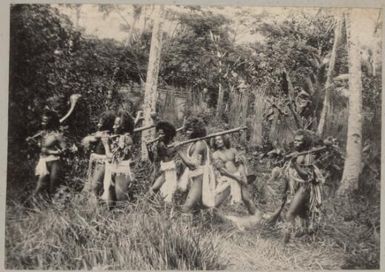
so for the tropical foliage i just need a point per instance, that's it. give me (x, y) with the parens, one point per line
(263, 83)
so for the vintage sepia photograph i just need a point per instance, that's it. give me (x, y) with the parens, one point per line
(190, 137)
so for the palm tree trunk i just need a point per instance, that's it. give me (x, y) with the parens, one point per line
(352, 166)
(151, 94)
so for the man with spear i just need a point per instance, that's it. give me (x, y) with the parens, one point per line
(166, 182)
(98, 156)
(96, 168)
(118, 149)
(53, 147)
(199, 177)
(303, 183)
(232, 176)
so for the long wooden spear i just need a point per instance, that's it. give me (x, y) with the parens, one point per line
(158, 138)
(209, 136)
(139, 129)
(313, 150)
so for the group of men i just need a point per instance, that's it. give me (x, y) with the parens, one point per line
(211, 174)
(214, 170)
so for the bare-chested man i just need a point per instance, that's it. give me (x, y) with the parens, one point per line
(166, 181)
(197, 162)
(98, 156)
(52, 146)
(232, 179)
(118, 174)
(303, 181)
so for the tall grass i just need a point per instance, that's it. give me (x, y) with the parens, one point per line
(77, 233)
(87, 236)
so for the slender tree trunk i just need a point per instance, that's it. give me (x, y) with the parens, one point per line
(169, 110)
(257, 123)
(220, 100)
(326, 104)
(151, 94)
(352, 166)
(297, 119)
(235, 107)
(273, 133)
(245, 106)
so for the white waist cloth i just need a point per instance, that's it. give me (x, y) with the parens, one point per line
(170, 184)
(235, 187)
(208, 182)
(94, 158)
(97, 157)
(121, 168)
(41, 167)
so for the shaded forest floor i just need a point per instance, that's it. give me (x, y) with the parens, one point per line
(74, 233)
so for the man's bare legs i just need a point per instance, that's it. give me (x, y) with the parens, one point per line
(194, 196)
(159, 181)
(97, 180)
(297, 208)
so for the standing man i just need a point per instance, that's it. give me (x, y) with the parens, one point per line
(303, 183)
(197, 177)
(52, 147)
(166, 181)
(118, 148)
(232, 176)
(98, 157)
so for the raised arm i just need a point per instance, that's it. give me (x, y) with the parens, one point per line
(193, 162)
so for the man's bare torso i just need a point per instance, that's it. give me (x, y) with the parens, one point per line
(50, 141)
(228, 158)
(198, 151)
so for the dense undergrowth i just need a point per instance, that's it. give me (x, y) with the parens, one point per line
(76, 233)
